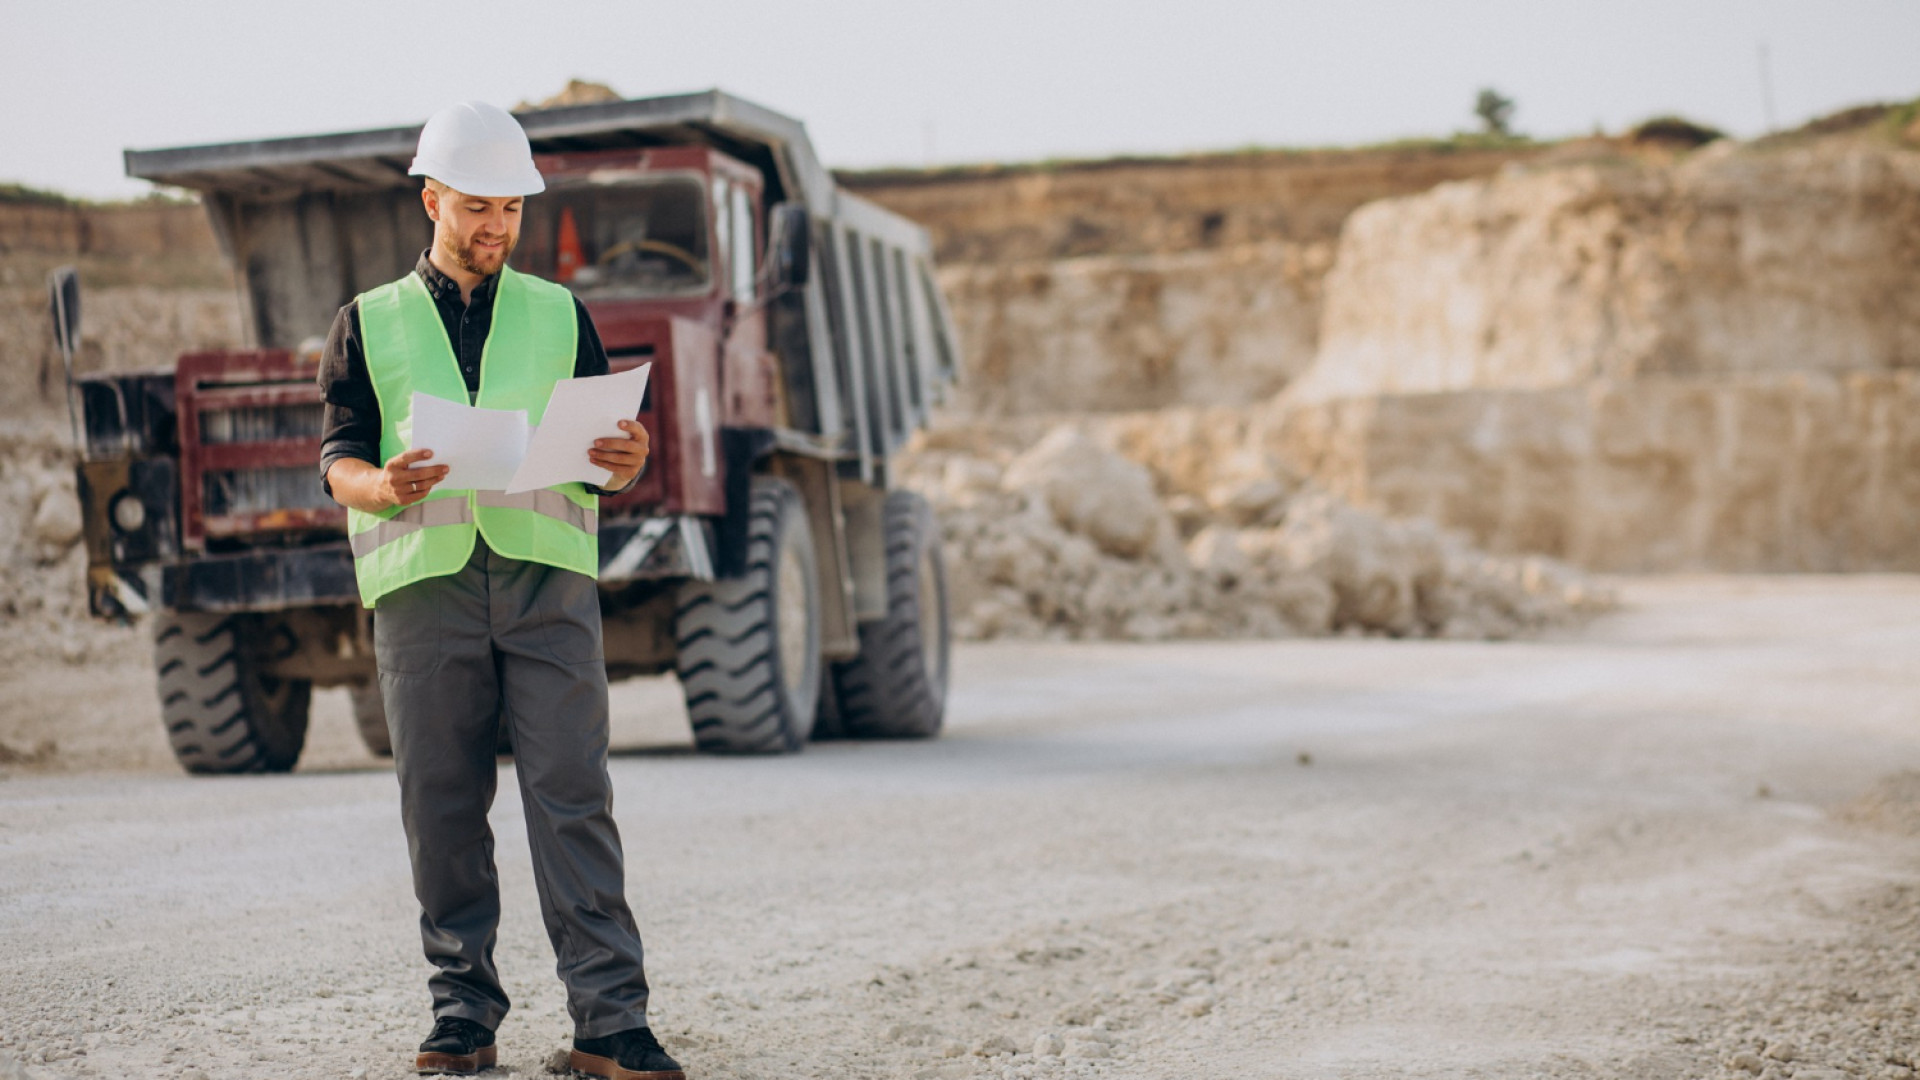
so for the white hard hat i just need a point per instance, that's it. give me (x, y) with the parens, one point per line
(477, 149)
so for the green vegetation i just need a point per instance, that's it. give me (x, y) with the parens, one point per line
(1902, 122)
(1495, 112)
(22, 195)
(1673, 130)
(1458, 142)
(1896, 122)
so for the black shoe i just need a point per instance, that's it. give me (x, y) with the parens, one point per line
(633, 1054)
(457, 1046)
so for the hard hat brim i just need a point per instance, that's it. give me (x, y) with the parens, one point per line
(526, 182)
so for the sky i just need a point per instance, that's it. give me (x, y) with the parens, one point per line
(897, 83)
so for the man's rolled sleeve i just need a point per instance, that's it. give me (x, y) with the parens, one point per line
(350, 412)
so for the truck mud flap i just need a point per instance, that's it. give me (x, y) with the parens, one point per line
(741, 448)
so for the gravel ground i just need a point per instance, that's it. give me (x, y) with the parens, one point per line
(1682, 842)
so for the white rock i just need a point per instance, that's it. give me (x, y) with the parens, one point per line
(995, 1046)
(1306, 602)
(1032, 552)
(1086, 1049)
(56, 521)
(966, 479)
(1258, 501)
(1048, 1044)
(1091, 491)
(1217, 553)
(911, 1034)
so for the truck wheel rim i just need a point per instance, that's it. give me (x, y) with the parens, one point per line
(930, 622)
(793, 619)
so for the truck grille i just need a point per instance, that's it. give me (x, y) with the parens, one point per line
(265, 423)
(250, 492)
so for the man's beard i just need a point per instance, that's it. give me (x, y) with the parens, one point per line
(465, 258)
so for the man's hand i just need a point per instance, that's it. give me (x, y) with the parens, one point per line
(400, 482)
(623, 457)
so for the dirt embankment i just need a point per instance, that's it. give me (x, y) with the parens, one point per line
(153, 285)
(1215, 279)
(1700, 364)
(1793, 472)
(1147, 283)
(1158, 206)
(1118, 332)
(1736, 261)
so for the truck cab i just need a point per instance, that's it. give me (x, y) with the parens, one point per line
(665, 249)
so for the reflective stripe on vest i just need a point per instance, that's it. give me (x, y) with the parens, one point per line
(426, 515)
(421, 515)
(549, 503)
(531, 345)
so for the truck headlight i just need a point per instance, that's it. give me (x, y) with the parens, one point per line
(129, 513)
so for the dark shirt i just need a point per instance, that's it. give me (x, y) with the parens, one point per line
(351, 415)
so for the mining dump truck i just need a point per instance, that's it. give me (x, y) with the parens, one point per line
(798, 338)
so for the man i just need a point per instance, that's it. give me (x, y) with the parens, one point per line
(487, 612)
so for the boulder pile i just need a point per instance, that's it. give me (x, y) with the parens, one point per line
(1072, 538)
(43, 564)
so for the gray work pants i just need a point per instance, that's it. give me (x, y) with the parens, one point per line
(514, 643)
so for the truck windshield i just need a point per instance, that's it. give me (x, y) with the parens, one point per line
(619, 234)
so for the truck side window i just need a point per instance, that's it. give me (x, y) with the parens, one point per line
(722, 218)
(740, 257)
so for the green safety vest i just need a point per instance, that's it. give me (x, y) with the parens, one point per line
(530, 347)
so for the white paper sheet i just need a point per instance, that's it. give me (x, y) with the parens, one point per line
(482, 447)
(580, 411)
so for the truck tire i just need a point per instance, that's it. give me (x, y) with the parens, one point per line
(897, 687)
(223, 714)
(749, 646)
(370, 716)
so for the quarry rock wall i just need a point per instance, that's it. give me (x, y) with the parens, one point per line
(1108, 333)
(1142, 206)
(1737, 261)
(1631, 365)
(153, 286)
(125, 328)
(1135, 284)
(1771, 472)
(1707, 365)
(125, 231)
